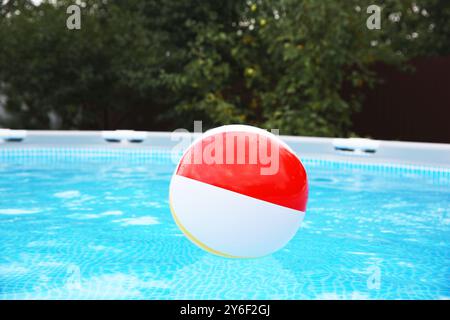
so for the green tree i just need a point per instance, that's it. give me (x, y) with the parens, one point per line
(295, 65)
(285, 63)
(87, 77)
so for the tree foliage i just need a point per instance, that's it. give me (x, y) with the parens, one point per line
(297, 65)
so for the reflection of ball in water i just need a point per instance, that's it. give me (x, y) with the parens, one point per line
(239, 191)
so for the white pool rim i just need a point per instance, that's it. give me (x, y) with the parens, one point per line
(352, 150)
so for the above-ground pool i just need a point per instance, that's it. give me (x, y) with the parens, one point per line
(100, 227)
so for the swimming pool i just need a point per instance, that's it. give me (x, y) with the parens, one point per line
(99, 227)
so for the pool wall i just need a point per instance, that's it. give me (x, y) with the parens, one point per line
(353, 150)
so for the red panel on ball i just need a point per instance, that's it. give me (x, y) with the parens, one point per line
(285, 184)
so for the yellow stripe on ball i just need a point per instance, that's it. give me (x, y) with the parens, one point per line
(194, 239)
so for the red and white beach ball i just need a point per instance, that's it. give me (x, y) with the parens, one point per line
(239, 192)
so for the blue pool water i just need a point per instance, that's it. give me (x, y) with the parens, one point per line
(102, 229)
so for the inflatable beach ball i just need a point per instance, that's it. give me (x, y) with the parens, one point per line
(239, 192)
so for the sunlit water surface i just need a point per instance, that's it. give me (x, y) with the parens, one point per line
(103, 230)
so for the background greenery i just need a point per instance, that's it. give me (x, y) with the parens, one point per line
(298, 65)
